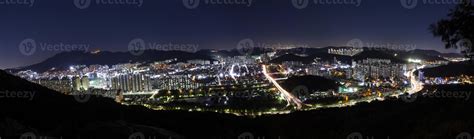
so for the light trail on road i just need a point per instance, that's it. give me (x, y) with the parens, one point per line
(287, 95)
(416, 86)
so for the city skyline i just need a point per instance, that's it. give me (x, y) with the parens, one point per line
(315, 26)
(286, 69)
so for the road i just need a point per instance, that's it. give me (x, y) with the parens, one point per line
(290, 98)
(416, 86)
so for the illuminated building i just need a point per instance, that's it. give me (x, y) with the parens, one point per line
(345, 51)
(132, 83)
(80, 84)
(175, 82)
(85, 83)
(199, 62)
(377, 68)
(76, 83)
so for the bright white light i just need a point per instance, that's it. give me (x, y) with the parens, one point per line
(414, 60)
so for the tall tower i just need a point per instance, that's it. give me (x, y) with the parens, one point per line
(76, 83)
(85, 83)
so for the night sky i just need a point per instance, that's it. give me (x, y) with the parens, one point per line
(112, 27)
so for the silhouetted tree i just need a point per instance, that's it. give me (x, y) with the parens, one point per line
(457, 31)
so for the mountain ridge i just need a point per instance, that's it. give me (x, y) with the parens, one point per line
(66, 59)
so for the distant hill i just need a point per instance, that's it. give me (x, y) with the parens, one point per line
(324, 56)
(426, 55)
(292, 57)
(66, 59)
(434, 53)
(233, 52)
(450, 70)
(394, 55)
(454, 55)
(426, 52)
